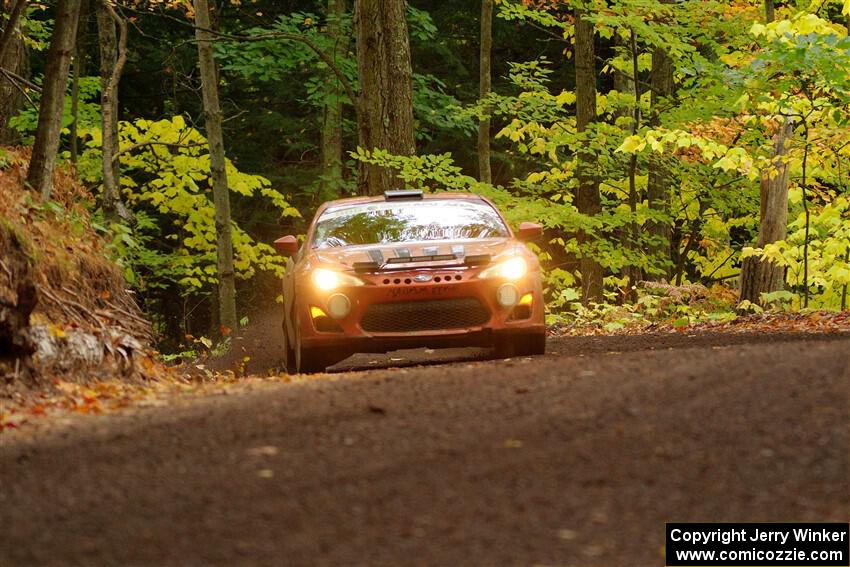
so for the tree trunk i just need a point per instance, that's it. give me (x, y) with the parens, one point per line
(113, 56)
(46, 147)
(634, 272)
(587, 196)
(386, 90)
(759, 276)
(78, 69)
(484, 172)
(332, 111)
(624, 85)
(769, 11)
(623, 82)
(844, 288)
(659, 176)
(14, 57)
(11, 31)
(76, 73)
(215, 139)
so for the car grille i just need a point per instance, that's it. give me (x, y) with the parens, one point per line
(407, 316)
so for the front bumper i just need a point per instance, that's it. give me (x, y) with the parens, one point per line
(357, 333)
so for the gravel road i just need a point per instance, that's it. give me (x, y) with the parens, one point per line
(573, 458)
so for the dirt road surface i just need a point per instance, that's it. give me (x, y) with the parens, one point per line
(575, 458)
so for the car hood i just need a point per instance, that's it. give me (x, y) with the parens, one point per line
(348, 255)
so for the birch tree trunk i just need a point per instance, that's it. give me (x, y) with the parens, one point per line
(484, 172)
(587, 197)
(113, 56)
(386, 89)
(215, 139)
(46, 147)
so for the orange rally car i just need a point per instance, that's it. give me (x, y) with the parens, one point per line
(408, 270)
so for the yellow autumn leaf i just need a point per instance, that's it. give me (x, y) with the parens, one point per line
(809, 23)
(684, 141)
(757, 30)
(566, 97)
(655, 144)
(725, 163)
(631, 145)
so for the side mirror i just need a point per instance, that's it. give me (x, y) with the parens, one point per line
(529, 231)
(286, 245)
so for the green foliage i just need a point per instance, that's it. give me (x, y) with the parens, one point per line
(430, 104)
(166, 180)
(715, 153)
(737, 80)
(678, 307)
(829, 266)
(88, 110)
(277, 59)
(37, 28)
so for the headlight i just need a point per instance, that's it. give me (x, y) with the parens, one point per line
(512, 269)
(327, 280)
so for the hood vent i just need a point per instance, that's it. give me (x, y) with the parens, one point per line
(376, 256)
(431, 258)
(366, 267)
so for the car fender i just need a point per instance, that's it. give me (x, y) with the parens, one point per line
(289, 300)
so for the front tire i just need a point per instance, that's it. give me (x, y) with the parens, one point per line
(288, 353)
(313, 360)
(525, 344)
(310, 360)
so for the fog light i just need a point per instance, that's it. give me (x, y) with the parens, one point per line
(338, 306)
(507, 295)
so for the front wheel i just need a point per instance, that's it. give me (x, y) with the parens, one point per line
(313, 360)
(288, 361)
(307, 360)
(525, 344)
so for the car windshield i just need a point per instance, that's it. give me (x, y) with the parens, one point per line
(411, 221)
